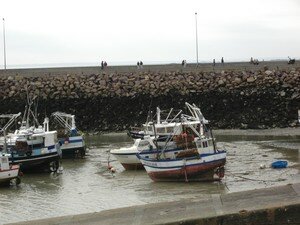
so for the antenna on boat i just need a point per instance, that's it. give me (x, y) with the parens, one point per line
(169, 115)
(158, 115)
(191, 109)
(149, 112)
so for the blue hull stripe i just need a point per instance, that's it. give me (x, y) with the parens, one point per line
(168, 160)
(51, 147)
(179, 167)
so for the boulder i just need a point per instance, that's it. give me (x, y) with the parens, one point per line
(250, 79)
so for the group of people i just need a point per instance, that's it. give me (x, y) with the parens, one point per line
(222, 62)
(254, 61)
(183, 63)
(140, 64)
(103, 65)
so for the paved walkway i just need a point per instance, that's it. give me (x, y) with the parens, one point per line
(276, 205)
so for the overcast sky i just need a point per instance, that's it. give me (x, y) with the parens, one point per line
(124, 31)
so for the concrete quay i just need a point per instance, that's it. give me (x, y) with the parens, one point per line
(275, 205)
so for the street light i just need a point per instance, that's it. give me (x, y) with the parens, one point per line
(196, 38)
(4, 44)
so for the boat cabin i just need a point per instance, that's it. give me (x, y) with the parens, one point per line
(4, 163)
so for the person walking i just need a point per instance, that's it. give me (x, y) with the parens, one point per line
(222, 61)
(102, 65)
(141, 64)
(138, 65)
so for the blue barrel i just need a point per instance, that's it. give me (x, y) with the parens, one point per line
(279, 164)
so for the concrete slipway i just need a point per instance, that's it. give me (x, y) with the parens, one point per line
(275, 205)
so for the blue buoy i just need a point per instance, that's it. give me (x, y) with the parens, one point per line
(279, 164)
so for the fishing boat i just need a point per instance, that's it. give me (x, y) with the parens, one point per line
(8, 172)
(33, 147)
(193, 166)
(158, 135)
(198, 158)
(71, 140)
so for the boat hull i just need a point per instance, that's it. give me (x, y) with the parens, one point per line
(188, 169)
(73, 147)
(35, 163)
(130, 161)
(7, 175)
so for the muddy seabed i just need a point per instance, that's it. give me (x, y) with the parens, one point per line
(87, 186)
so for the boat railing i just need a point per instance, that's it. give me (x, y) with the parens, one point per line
(65, 120)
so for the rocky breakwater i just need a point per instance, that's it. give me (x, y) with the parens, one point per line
(106, 102)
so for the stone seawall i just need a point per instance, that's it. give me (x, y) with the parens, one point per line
(112, 101)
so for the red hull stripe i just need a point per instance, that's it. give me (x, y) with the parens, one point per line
(14, 167)
(196, 171)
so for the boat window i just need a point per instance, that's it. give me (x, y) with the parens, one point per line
(204, 144)
(160, 130)
(169, 129)
(4, 160)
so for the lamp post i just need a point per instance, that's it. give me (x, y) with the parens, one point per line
(196, 38)
(4, 47)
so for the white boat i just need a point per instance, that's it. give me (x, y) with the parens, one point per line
(159, 136)
(71, 140)
(8, 172)
(127, 156)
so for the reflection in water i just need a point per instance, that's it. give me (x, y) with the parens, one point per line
(87, 186)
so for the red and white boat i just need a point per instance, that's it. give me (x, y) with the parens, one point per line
(8, 172)
(197, 167)
(197, 157)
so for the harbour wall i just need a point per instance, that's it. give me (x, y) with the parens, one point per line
(115, 100)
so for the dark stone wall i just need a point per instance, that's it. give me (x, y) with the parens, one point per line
(113, 102)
